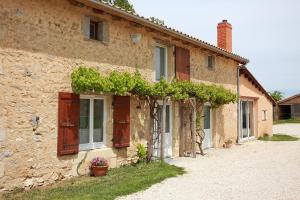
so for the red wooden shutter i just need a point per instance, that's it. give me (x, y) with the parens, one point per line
(182, 63)
(121, 136)
(68, 124)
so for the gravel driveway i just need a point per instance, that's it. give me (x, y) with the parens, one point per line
(290, 129)
(255, 170)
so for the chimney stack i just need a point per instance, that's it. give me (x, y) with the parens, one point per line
(225, 35)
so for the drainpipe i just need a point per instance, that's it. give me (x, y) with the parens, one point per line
(238, 103)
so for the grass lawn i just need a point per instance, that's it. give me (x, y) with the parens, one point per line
(118, 182)
(278, 137)
(286, 121)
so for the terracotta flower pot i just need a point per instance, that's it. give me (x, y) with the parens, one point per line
(99, 170)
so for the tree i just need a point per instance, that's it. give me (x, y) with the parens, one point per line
(122, 4)
(157, 21)
(276, 95)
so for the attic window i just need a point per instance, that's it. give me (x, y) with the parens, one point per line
(210, 61)
(95, 29)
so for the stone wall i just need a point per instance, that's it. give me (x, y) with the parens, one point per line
(41, 42)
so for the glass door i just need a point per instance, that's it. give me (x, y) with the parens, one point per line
(246, 119)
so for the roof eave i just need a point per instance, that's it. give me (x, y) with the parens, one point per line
(172, 32)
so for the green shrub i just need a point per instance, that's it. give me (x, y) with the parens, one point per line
(141, 152)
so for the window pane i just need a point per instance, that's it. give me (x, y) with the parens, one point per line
(160, 61)
(206, 117)
(93, 30)
(244, 115)
(98, 120)
(159, 115)
(251, 133)
(84, 129)
(167, 119)
(209, 61)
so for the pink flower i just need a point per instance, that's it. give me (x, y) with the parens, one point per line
(99, 161)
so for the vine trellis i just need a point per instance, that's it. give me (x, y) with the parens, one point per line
(86, 79)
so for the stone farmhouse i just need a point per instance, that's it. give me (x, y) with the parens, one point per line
(47, 133)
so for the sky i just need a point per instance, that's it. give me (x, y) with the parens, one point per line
(265, 31)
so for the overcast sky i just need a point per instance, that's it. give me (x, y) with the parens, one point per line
(265, 31)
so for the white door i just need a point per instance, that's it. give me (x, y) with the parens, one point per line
(208, 141)
(246, 119)
(168, 139)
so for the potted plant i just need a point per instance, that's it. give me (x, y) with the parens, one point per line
(99, 166)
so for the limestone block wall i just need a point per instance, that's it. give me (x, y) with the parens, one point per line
(41, 42)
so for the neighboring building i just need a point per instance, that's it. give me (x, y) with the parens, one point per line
(45, 132)
(288, 108)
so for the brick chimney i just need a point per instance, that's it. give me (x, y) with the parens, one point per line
(225, 35)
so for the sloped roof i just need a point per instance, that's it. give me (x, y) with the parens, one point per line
(134, 17)
(251, 78)
(288, 99)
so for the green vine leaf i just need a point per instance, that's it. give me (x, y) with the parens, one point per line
(85, 79)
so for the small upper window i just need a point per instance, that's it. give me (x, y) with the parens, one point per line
(210, 61)
(95, 29)
(264, 115)
(160, 62)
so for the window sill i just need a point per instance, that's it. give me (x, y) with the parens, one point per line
(97, 41)
(92, 146)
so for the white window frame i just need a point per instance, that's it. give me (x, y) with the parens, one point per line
(94, 145)
(166, 61)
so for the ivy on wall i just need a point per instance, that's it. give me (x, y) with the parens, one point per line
(85, 79)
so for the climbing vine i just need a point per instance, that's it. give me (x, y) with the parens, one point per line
(85, 79)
